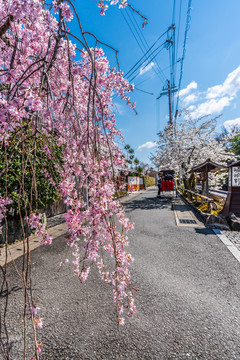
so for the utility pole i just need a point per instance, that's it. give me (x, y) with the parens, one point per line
(170, 87)
(169, 103)
(169, 90)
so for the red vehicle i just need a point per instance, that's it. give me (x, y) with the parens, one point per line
(168, 181)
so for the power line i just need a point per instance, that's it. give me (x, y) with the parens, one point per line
(160, 48)
(145, 54)
(131, 30)
(135, 26)
(179, 26)
(143, 81)
(157, 116)
(140, 42)
(174, 11)
(188, 20)
(147, 45)
(146, 92)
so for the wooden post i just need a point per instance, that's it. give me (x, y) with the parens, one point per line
(206, 172)
(208, 206)
(169, 103)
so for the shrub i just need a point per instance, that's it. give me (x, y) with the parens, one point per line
(149, 181)
(27, 167)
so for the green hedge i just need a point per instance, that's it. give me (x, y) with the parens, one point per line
(149, 181)
(37, 190)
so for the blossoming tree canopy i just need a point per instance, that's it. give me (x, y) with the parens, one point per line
(50, 100)
(188, 143)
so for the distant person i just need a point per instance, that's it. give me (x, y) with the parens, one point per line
(159, 183)
(168, 177)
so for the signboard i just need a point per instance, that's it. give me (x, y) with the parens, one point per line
(133, 183)
(236, 176)
(132, 180)
(229, 177)
(141, 181)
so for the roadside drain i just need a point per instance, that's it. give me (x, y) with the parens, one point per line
(184, 215)
(186, 221)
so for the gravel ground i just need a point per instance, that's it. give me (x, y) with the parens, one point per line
(188, 298)
(233, 236)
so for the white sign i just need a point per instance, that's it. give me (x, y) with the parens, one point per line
(236, 176)
(141, 181)
(132, 180)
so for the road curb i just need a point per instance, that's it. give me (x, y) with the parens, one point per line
(134, 194)
(231, 247)
(15, 250)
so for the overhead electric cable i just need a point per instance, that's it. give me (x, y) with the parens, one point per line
(141, 35)
(141, 82)
(143, 91)
(152, 57)
(141, 43)
(146, 53)
(179, 26)
(131, 30)
(174, 11)
(148, 62)
(188, 20)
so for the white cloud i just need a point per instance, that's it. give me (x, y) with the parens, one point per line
(215, 99)
(211, 106)
(186, 91)
(147, 145)
(232, 124)
(191, 108)
(118, 108)
(146, 68)
(190, 99)
(230, 86)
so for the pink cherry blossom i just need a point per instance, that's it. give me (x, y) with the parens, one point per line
(39, 323)
(67, 103)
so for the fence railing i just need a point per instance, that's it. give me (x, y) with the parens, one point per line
(210, 201)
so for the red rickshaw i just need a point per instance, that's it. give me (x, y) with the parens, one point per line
(168, 181)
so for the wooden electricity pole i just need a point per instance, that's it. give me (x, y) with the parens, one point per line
(168, 91)
(169, 103)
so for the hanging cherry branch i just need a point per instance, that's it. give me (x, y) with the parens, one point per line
(57, 111)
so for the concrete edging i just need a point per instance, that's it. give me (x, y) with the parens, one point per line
(15, 250)
(199, 212)
(231, 247)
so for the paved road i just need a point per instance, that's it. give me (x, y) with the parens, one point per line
(188, 299)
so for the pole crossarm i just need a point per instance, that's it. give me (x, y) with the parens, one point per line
(166, 92)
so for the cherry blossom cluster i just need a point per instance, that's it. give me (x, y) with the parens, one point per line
(103, 6)
(4, 202)
(34, 222)
(38, 323)
(44, 89)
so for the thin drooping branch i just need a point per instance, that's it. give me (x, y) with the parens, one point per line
(6, 26)
(58, 136)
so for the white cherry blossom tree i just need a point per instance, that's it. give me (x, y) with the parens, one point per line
(187, 143)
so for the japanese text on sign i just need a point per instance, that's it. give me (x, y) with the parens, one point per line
(236, 176)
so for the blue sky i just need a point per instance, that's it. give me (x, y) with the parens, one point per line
(211, 69)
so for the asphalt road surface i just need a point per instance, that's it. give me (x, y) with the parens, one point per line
(187, 303)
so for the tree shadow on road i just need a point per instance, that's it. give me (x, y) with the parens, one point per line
(204, 231)
(151, 203)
